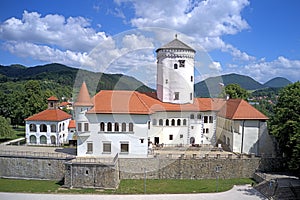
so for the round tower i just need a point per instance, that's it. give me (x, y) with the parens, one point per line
(175, 72)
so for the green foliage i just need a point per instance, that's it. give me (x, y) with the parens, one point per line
(235, 92)
(285, 124)
(5, 130)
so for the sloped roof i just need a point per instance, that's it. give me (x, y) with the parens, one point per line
(176, 44)
(52, 98)
(72, 124)
(83, 98)
(239, 109)
(50, 115)
(133, 102)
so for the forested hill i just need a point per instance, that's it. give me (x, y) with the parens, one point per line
(66, 76)
(211, 87)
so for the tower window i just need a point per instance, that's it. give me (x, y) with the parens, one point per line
(170, 137)
(181, 63)
(191, 96)
(192, 78)
(175, 66)
(176, 95)
(167, 81)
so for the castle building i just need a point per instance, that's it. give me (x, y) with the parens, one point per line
(49, 127)
(125, 122)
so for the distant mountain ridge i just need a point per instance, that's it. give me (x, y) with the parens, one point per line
(211, 87)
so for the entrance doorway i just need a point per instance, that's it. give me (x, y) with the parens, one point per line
(156, 140)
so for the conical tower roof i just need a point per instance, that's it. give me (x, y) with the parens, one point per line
(176, 44)
(83, 98)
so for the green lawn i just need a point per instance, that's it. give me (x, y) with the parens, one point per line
(126, 186)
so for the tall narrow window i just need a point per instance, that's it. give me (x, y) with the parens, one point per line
(170, 137)
(192, 78)
(207, 130)
(178, 122)
(175, 66)
(89, 147)
(191, 96)
(199, 116)
(123, 127)
(192, 116)
(130, 126)
(86, 127)
(205, 119)
(167, 122)
(211, 119)
(53, 128)
(102, 125)
(79, 127)
(116, 127)
(184, 122)
(161, 122)
(173, 122)
(176, 95)
(109, 126)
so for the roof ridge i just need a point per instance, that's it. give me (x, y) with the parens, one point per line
(136, 93)
(236, 109)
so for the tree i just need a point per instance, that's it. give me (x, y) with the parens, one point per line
(5, 130)
(285, 124)
(235, 92)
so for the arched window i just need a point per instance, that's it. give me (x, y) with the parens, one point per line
(109, 126)
(130, 126)
(205, 119)
(63, 126)
(32, 139)
(53, 128)
(43, 128)
(116, 127)
(53, 139)
(59, 128)
(199, 116)
(192, 116)
(123, 127)
(43, 139)
(178, 122)
(167, 122)
(161, 122)
(184, 122)
(207, 130)
(32, 128)
(175, 66)
(102, 125)
(173, 122)
(154, 121)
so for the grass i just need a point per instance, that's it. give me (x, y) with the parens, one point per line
(126, 186)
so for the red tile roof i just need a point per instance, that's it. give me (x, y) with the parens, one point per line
(50, 115)
(239, 109)
(72, 124)
(52, 98)
(83, 98)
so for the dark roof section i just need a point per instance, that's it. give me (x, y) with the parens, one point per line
(176, 44)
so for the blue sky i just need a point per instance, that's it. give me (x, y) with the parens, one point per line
(259, 38)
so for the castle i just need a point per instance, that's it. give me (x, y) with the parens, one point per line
(128, 122)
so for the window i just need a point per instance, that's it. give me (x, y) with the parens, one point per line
(79, 127)
(167, 81)
(192, 127)
(170, 137)
(106, 147)
(123, 127)
(192, 116)
(211, 119)
(184, 122)
(199, 116)
(178, 122)
(160, 122)
(148, 125)
(130, 126)
(43, 128)
(154, 122)
(191, 96)
(181, 136)
(205, 119)
(124, 148)
(228, 141)
(173, 122)
(207, 130)
(142, 141)
(63, 127)
(86, 126)
(203, 130)
(192, 78)
(176, 95)
(175, 66)
(53, 128)
(43, 140)
(32, 139)
(109, 126)
(102, 125)
(116, 127)
(59, 129)
(181, 63)
(89, 147)
(167, 122)
(32, 128)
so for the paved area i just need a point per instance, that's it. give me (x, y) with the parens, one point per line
(245, 192)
